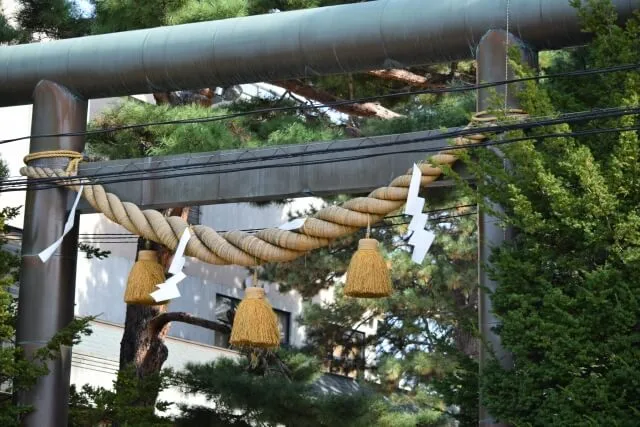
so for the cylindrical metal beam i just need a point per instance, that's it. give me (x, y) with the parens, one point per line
(47, 290)
(493, 66)
(340, 39)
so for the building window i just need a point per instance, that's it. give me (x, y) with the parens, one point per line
(346, 355)
(194, 215)
(225, 311)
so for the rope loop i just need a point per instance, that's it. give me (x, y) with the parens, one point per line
(74, 158)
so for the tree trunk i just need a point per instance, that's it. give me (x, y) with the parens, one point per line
(140, 346)
(412, 79)
(464, 337)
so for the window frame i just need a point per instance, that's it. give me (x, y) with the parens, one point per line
(285, 338)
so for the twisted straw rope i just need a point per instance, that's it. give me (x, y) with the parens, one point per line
(268, 245)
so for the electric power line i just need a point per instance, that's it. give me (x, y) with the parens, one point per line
(575, 116)
(527, 124)
(47, 183)
(576, 73)
(135, 241)
(531, 122)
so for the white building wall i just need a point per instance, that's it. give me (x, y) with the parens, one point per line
(100, 286)
(15, 122)
(95, 361)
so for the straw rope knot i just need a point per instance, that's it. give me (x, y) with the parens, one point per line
(268, 245)
(74, 158)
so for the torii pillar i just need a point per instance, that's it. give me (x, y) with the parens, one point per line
(47, 290)
(492, 66)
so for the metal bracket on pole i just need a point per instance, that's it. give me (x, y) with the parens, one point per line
(492, 65)
(47, 290)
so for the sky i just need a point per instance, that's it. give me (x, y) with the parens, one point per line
(85, 7)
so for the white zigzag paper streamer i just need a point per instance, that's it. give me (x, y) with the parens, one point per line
(68, 225)
(295, 224)
(169, 289)
(421, 239)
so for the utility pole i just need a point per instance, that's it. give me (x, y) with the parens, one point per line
(492, 66)
(47, 290)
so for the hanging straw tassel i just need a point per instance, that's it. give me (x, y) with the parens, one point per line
(368, 275)
(143, 278)
(255, 324)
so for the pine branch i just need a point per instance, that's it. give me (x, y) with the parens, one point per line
(367, 109)
(157, 323)
(203, 97)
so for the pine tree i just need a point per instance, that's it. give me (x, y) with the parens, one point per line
(261, 130)
(270, 389)
(53, 19)
(425, 341)
(568, 295)
(90, 406)
(8, 33)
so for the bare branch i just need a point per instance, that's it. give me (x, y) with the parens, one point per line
(368, 109)
(157, 323)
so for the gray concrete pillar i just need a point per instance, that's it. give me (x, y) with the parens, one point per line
(492, 66)
(47, 290)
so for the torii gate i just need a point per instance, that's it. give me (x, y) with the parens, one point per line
(59, 77)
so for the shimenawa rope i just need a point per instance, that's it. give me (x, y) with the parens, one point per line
(269, 245)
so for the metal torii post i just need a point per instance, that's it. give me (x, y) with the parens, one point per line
(47, 290)
(491, 66)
